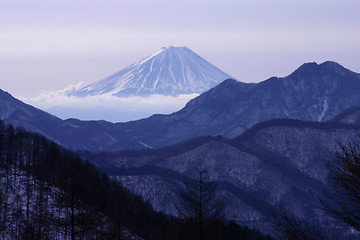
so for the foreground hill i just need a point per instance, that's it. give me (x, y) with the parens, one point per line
(314, 92)
(278, 161)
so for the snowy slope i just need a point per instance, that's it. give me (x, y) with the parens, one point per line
(278, 161)
(170, 71)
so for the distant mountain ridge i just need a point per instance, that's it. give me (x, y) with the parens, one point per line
(170, 71)
(350, 116)
(314, 92)
(18, 113)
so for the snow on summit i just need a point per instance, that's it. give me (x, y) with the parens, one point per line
(170, 71)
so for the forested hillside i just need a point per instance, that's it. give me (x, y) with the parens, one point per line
(48, 192)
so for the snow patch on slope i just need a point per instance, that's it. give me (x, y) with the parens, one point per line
(325, 108)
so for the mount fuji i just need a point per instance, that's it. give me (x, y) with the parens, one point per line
(170, 71)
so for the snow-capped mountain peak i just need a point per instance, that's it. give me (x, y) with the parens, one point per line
(170, 71)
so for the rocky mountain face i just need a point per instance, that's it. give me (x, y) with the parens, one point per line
(313, 93)
(170, 71)
(279, 161)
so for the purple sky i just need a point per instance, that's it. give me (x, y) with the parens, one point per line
(46, 45)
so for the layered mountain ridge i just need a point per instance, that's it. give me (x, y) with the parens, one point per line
(278, 161)
(170, 71)
(314, 92)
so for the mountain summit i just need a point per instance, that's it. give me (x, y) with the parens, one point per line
(170, 71)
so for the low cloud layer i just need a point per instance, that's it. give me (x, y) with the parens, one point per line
(106, 107)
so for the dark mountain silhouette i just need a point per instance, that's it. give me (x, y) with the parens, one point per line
(350, 116)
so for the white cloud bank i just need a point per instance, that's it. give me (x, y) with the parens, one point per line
(106, 107)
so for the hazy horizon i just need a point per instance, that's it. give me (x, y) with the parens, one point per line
(46, 46)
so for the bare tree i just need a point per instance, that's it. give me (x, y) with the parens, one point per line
(343, 202)
(286, 226)
(199, 204)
